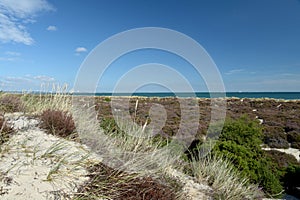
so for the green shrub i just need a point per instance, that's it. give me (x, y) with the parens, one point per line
(240, 141)
(110, 125)
(292, 180)
(107, 99)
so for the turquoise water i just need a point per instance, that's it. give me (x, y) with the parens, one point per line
(275, 95)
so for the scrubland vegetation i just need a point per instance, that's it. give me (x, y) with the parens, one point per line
(237, 168)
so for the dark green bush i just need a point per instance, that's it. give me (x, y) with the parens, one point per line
(293, 136)
(58, 123)
(292, 180)
(240, 141)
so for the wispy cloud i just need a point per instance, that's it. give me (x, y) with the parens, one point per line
(8, 59)
(15, 15)
(52, 28)
(12, 53)
(80, 50)
(44, 78)
(10, 56)
(234, 71)
(25, 82)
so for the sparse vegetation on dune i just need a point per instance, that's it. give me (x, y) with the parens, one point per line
(10, 103)
(58, 100)
(236, 169)
(5, 131)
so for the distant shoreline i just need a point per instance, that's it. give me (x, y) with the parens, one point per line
(255, 95)
(251, 95)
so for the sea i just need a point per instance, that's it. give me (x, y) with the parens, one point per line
(273, 95)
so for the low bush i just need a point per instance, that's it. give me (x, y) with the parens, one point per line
(5, 131)
(58, 123)
(292, 126)
(10, 103)
(281, 159)
(275, 137)
(240, 141)
(293, 136)
(295, 145)
(113, 184)
(292, 180)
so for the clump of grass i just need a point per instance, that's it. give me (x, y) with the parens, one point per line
(226, 181)
(58, 100)
(10, 103)
(106, 182)
(57, 122)
(5, 130)
(140, 151)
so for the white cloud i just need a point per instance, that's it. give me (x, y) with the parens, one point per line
(13, 32)
(10, 56)
(27, 82)
(51, 28)
(12, 53)
(25, 8)
(44, 78)
(234, 71)
(7, 59)
(14, 15)
(80, 50)
(12, 79)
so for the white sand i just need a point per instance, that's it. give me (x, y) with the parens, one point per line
(35, 165)
(191, 189)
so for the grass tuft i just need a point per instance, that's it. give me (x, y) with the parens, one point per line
(61, 99)
(226, 181)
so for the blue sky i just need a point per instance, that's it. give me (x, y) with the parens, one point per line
(254, 43)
